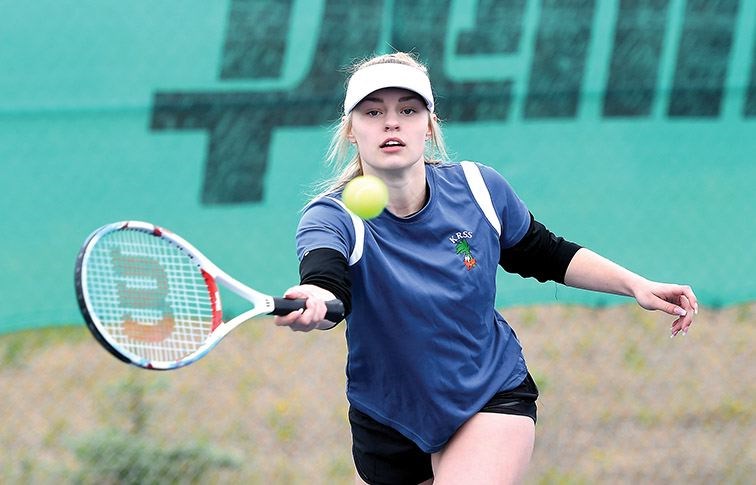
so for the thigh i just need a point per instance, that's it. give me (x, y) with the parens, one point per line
(488, 448)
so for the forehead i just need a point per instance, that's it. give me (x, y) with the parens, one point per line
(385, 95)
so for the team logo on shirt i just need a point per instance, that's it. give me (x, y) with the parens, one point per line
(462, 246)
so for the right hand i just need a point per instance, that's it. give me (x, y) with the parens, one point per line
(313, 315)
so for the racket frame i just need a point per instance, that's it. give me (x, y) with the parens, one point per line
(213, 275)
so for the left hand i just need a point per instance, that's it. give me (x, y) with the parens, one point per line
(677, 300)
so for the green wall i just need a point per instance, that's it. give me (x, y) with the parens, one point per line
(627, 126)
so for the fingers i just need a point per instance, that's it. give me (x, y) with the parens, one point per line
(677, 300)
(683, 323)
(658, 301)
(691, 297)
(306, 319)
(288, 320)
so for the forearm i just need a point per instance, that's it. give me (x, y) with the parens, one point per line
(590, 271)
(328, 270)
(324, 276)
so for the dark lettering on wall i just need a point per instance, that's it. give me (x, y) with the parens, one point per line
(498, 28)
(416, 29)
(556, 76)
(703, 57)
(240, 124)
(636, 56)
(750, 102)
(255, 39)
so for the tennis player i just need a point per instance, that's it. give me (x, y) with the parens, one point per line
(438, 387)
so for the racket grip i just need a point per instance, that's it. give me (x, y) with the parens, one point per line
(284, 306)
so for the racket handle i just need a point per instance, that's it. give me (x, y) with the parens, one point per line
(284, 306)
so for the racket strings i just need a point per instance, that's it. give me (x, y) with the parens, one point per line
(149, 295)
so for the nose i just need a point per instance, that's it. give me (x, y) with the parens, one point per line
(391, 122)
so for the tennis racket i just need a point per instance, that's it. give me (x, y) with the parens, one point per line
(152, 299)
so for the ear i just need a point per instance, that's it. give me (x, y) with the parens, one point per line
(349, 134)
(429, 132)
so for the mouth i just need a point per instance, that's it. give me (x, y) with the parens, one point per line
(392, 142)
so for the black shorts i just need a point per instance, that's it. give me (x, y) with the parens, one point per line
(382, 455)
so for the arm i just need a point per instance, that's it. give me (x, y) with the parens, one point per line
(590, 271)
(313, 316)
(325, 236)
(542, 255)
(538, 254)
(324, 276)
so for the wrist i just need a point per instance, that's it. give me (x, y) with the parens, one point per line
(635, 285)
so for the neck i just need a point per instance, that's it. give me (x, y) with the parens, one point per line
(407, 193)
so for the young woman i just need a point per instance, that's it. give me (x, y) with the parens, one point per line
(438, 388)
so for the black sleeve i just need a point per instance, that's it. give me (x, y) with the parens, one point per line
(539, 254)
(328, 269)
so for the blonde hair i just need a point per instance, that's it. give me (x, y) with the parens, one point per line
(345, 160)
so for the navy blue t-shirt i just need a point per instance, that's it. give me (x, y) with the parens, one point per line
(426, 347)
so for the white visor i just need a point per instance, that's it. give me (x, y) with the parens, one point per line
(387, 75)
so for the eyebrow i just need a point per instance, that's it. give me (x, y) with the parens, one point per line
(401, 100)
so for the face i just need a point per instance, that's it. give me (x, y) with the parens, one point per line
(390, 127)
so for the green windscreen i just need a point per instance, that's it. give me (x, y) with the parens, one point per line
(626, 126)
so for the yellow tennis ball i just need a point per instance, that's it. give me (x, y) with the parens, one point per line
(366, 196)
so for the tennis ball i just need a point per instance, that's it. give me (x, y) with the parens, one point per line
(366, 196)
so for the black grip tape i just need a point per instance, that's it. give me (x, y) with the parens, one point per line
(284, 306)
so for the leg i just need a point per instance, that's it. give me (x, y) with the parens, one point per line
(490, 448)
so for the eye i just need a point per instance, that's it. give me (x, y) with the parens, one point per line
(372, 112)
(408, 111)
